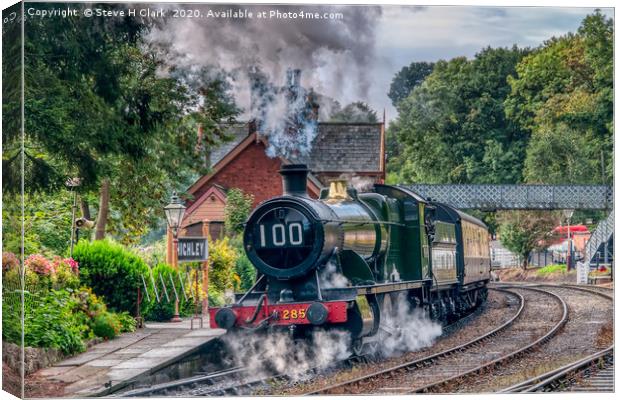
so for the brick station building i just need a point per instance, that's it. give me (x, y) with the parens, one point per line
(351, 150)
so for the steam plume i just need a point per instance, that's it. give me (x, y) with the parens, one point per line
(335, 56)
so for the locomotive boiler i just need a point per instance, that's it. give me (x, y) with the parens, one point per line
(340, 261)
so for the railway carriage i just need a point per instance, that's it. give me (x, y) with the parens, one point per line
(343, 260)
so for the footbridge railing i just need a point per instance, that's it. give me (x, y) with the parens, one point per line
(519, 197)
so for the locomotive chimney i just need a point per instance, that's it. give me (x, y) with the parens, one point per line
(294, 179)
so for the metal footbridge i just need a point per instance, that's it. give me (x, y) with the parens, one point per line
(535, 197)
(519, 197)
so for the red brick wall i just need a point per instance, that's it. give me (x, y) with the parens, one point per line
(253, 172)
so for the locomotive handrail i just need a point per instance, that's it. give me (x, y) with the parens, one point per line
(257, 310)
(249, 291)
(343, 221)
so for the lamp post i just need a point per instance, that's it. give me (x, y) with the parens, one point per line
(174, 215)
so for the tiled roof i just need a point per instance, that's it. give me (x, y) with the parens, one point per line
(237, 132)
(338, 147)
(345, 147)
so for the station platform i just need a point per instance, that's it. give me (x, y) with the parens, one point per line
(114, 364)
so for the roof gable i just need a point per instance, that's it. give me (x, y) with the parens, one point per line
(313, 183)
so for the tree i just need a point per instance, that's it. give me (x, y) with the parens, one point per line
(99, 107)
(523, 231)
(452, 127)
(236, 211)
(562, 95)
(408, 78)
(355, 112)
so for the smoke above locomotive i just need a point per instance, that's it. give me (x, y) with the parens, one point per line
(261, 61)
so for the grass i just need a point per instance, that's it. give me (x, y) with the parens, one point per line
(550, 269)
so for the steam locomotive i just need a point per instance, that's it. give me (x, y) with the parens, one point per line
(342, 260)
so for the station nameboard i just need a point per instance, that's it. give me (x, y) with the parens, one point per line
(193, 249)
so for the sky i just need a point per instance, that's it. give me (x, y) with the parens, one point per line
(356, 57)
(407, 34)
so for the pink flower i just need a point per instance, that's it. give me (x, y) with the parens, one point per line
(75, 267)
(9, 261)
(39, 264)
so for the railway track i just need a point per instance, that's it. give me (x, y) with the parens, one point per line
(237, 381)
(592, 373)
(479, 354)
(441, 371)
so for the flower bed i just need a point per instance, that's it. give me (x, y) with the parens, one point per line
(59, 313)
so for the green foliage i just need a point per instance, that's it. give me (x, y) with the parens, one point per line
(244, 270)
(106, 325)
(563, 97)
(523, 231)
(128, 323)
(407, 79)
(236, 211)
(99, 108)
(47, 223)
(164, 310)
(551, 269)
(452, 128)
(355, 112)
(54, 324)
(222, 261)
(112, 271)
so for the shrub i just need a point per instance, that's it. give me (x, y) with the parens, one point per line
(112, 271)
(128, 323)
(107, 325)
(54, 324)
(65, 273)
(39, 265)
(244, 270)
(236, 211)
(222, 260)
(9, 261)
(88, 303)
(164, 309)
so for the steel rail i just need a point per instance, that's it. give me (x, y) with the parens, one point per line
(549, 379)
(521, 351)
(411, 365)
(165, 388)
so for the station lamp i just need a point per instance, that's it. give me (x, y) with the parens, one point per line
(174, 213)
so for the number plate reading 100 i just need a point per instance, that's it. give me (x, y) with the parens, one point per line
(281, 235)
(293, 314)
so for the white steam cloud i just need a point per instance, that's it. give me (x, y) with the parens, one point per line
(278, 352)
(330, 277)
(335, 56)
(405, 329)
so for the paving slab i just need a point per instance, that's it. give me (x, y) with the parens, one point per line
(186, 342)
(51, 371)
(108, 362)
(141, 362)
(165, 352)
(78, 373)
(82, 358)
(125, 358)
